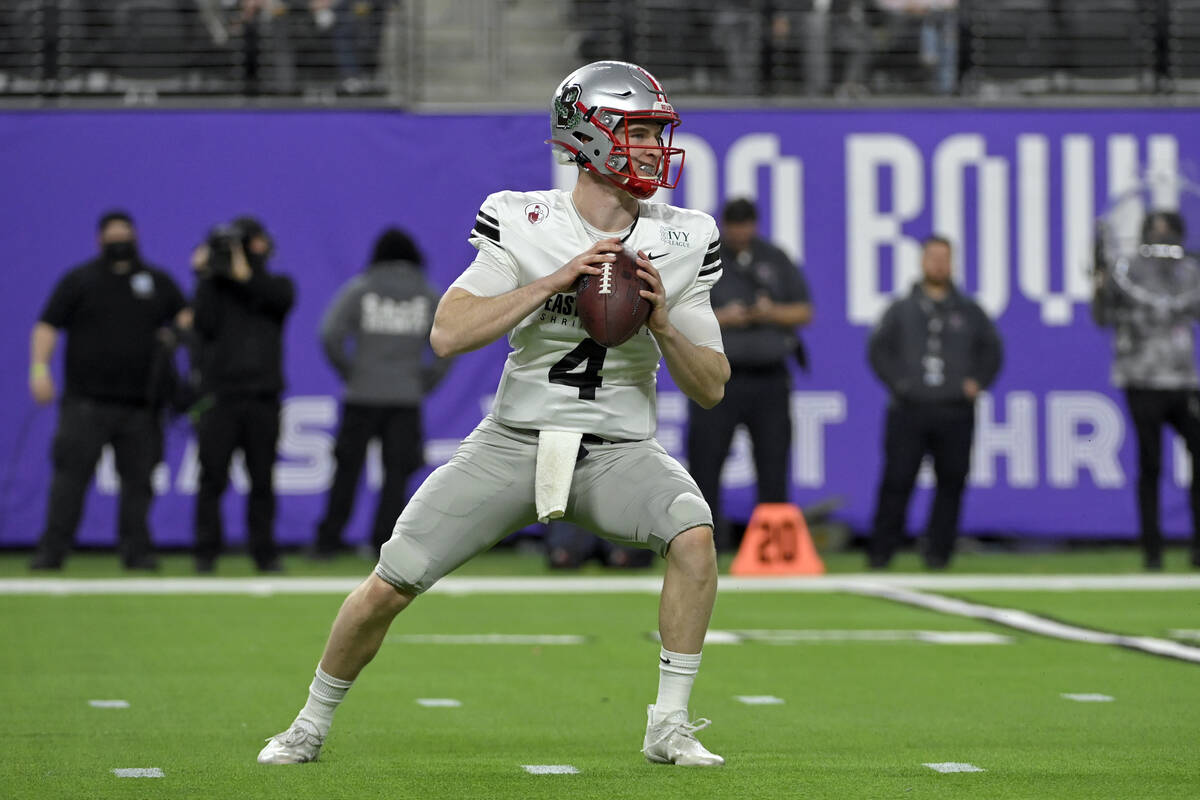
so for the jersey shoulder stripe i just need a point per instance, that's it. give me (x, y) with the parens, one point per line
(486, 229)
(504, 213)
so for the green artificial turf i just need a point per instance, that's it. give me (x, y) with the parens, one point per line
(207, 678)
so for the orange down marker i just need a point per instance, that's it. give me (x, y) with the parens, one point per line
(777, 542)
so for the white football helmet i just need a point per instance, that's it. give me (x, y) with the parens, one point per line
(590, 117)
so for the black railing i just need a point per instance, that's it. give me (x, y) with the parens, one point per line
(327, 49)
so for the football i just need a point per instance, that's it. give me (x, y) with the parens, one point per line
(609, 305)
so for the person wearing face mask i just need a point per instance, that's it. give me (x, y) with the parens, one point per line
(240, 310)
(935, 351)
(1151, 299)
(113, 310)
(761, 302)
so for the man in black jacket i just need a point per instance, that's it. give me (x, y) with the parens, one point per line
(113, 310)
(935, 350)
(240, 309)
(760, 302)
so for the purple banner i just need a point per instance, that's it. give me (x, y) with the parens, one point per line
(849, 193)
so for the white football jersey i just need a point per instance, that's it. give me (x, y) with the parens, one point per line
(556, 378)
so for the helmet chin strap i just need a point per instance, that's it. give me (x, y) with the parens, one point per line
(641, 188)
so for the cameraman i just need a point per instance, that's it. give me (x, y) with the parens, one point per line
(1152, 299)
(240, 309)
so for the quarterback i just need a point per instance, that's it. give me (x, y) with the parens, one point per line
(571, 431)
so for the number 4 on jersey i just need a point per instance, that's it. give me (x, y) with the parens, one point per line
(563, 372)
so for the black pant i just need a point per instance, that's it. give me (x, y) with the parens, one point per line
(1151, 409)
(250, 424)
(760, 400)
(84, 427)
(945, 431)
(399, 432)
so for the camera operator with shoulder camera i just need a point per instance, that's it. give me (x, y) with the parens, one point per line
(240, 309)
(1152, 300)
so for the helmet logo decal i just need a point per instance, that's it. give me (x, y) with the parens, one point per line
(536, 212)
(566, 115)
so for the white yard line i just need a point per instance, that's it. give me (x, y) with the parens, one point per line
(819, 636)
(850, 582)
(138, 772)
(550, 769)
(1088, 697)
(487, 638)
(1184, 633)
(1032, 623)
(759, 699)
(953, 766)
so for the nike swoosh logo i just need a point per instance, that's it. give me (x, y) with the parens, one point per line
(653, 256)
(664, 660)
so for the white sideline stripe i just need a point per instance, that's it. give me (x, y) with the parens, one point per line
(1025, 621)
(759, 699)
(850, 582)
(439, 702)
(138, 772)
(550, 769)
(486, 638)
(1088, 698)
(108, 703)
(953, 766)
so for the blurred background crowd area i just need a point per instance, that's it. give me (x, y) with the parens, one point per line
(498, 52)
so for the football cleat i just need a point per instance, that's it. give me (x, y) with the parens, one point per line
(296, 745)
(673, 741)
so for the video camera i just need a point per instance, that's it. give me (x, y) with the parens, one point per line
(222, 239)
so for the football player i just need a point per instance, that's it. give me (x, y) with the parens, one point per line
(571, 431)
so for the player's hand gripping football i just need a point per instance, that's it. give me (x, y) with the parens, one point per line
(586, 263)
(659, 321)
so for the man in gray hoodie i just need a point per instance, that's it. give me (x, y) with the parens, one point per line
(375, 334)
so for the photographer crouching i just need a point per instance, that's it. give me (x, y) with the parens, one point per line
(240, 308)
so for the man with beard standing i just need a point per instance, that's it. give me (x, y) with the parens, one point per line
(114, 309)
(935, 351)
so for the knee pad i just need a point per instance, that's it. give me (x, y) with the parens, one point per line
(689, 510)
(403, 565)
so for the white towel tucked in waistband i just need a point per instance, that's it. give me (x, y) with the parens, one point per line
(556, 454)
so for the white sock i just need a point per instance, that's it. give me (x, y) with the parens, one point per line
(324, 696)
(676, 672)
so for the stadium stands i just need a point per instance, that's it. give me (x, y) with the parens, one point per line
(435, 51)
